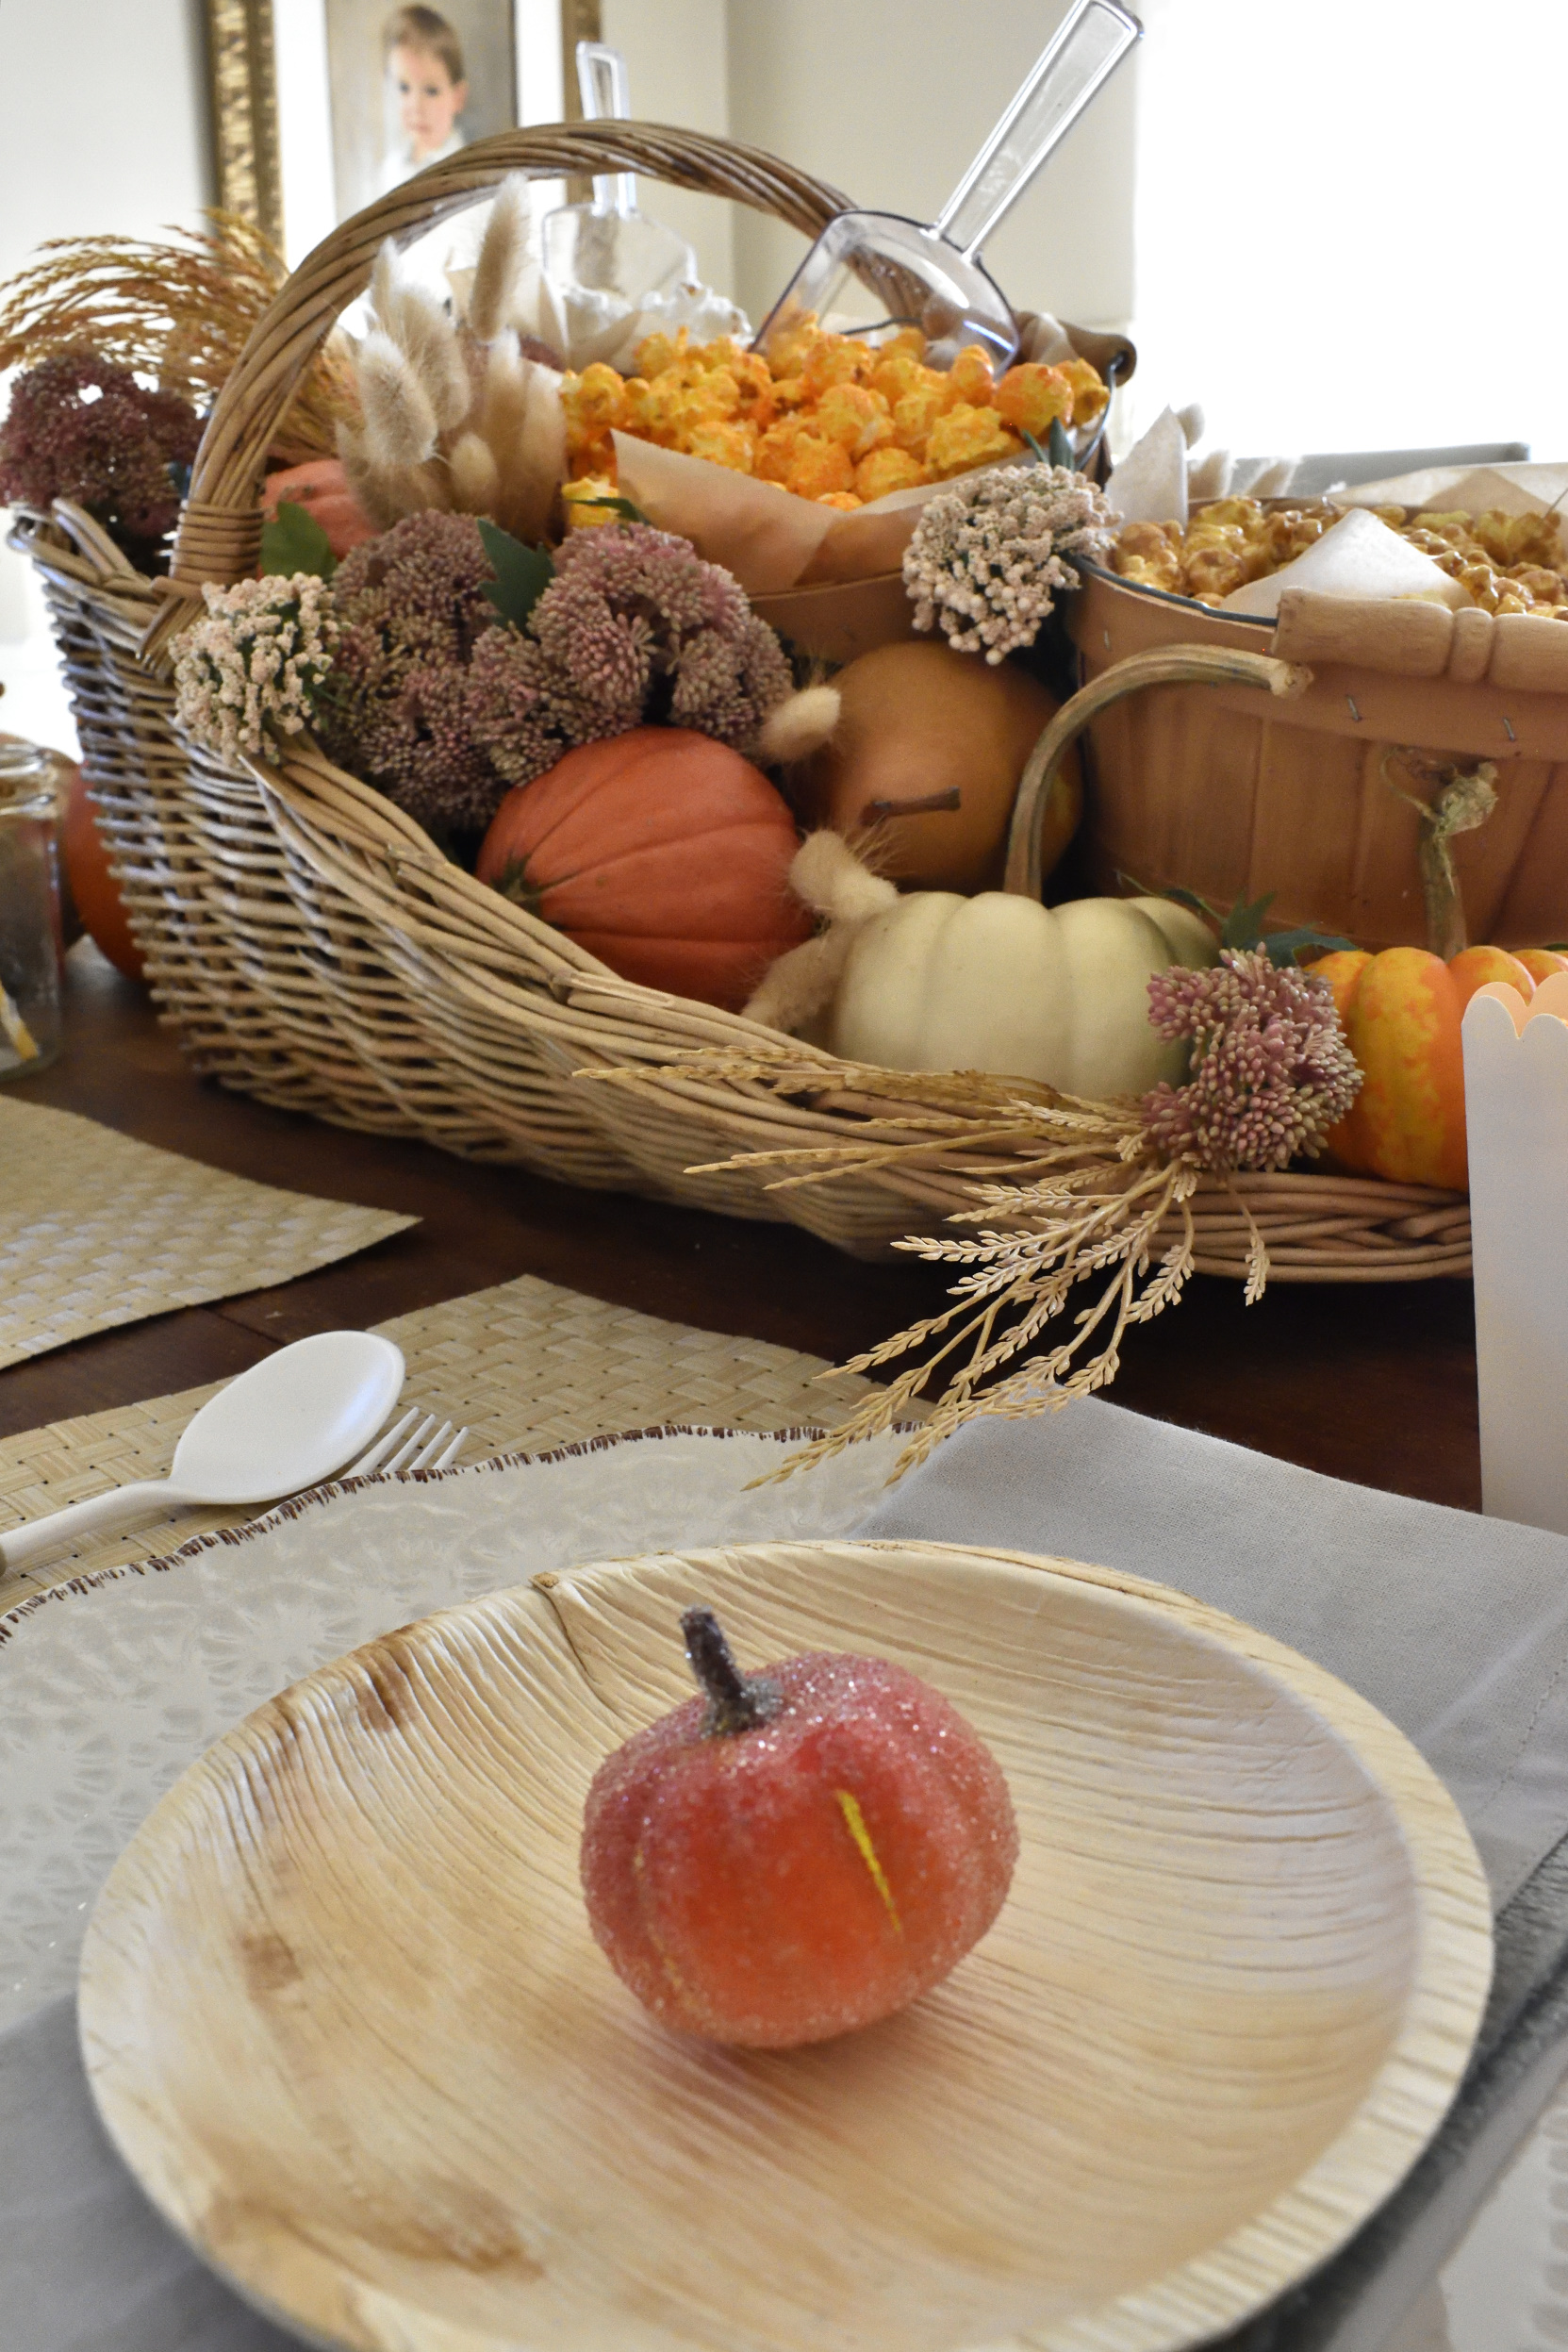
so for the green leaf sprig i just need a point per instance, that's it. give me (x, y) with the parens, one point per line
(1058, 450)
(295, 542)
(1244, 925)
(521, 573)
(627, 508)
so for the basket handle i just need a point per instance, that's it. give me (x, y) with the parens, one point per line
(219, 530)
(1168, 665)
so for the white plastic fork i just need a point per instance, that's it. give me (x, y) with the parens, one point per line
(421, 1448)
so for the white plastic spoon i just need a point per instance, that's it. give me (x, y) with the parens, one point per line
(284, 1425)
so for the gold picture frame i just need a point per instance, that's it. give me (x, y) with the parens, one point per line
(243, 103)
(242, 89)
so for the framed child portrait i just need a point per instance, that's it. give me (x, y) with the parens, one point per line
(322, 105)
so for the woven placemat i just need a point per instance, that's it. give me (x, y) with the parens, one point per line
(97, 1229)
(527, 1365)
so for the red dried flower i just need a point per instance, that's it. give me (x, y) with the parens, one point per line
(83, 428)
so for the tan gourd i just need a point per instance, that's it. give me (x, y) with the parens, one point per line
(999, 982)
(924, 763)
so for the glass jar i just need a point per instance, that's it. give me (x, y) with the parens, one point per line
(29, 909)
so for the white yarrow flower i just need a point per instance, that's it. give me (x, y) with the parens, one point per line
(249, 671)
(983, 561)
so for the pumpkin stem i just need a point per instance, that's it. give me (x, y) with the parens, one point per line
(736, 1701)
(874, 811)
(1465, 799)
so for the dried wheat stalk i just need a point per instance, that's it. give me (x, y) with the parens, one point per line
(1063, 1190)
(181, 312)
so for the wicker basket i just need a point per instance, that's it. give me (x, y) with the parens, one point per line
(314, 950)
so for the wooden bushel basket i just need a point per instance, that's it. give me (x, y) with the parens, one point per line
(1312, 800)
(315, 950)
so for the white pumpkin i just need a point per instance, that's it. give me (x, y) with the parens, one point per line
(999, 982)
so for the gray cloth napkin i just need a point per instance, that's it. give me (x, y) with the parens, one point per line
(85, 2265)
(1457, 1627)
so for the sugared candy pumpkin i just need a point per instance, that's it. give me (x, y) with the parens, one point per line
(798, 1851)
(661, 852)
(926, 759)
(1402, 1012)
(94, 889)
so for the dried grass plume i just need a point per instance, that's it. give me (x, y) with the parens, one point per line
(180, 312)
(800, 726)
(803, 982)
(456, 416)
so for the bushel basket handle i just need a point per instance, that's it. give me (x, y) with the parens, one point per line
(1168, 665)
(220, 530)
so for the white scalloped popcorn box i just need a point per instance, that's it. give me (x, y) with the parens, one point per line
(1516, 1120)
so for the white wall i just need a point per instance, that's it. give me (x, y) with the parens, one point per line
(104, 129)
(1344, 224)
(889, 99)
(677, 71)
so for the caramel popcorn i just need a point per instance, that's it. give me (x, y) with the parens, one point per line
(825, 416)
(857, 418)
(1507, 563)
(887, 469)
(581, 500)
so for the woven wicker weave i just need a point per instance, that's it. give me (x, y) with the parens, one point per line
(315, 950)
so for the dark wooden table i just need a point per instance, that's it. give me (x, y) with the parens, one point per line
(1370, 1381)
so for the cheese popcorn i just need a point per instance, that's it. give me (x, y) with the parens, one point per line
(829, 417)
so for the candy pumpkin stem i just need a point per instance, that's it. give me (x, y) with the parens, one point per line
(736, 1703)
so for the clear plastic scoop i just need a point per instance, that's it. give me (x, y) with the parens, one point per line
(608, 248)
(871, 272)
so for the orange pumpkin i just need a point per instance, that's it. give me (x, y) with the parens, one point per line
(1402, 1011)
(94, 889)
(321, 488)
(661, 852)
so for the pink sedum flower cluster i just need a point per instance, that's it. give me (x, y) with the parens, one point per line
(634, 629)
(82, 428)
(1271, 1070)
(411, 609)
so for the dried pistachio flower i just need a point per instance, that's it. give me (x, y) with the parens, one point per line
(987, 557)
(1271, 1070)
(251, 671)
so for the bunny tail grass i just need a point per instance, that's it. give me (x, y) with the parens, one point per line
(800, 726)
(400, 422)
(500, 258)
(475, 476)
(802, 982)
(533, 458)
(826, 872)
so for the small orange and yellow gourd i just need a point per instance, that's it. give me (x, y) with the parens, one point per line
(1402, 1012)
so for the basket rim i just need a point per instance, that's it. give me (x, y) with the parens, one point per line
(217, 538)
(299, 773)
